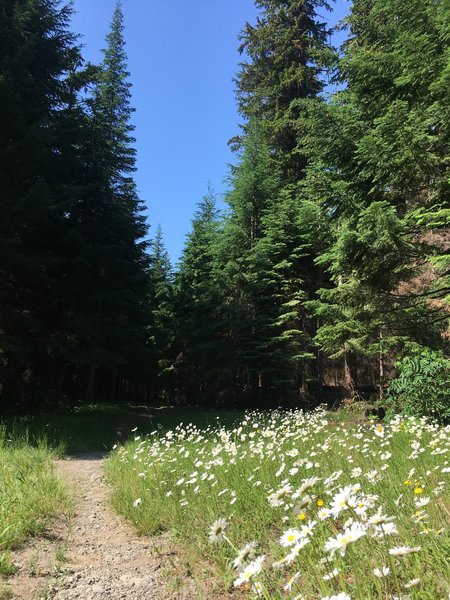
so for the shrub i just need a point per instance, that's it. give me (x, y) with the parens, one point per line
(422, 387)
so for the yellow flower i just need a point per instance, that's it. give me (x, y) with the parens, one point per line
(418, 490)
(320, 502)
(407, 482)
(301, 516)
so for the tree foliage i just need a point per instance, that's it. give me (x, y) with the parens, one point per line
(330, 262)
(422, 386)
(73, 267)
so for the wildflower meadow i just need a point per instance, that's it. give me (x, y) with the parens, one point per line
(297, 505)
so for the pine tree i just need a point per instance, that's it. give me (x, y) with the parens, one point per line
(197, 299)
(287, 50)
(111, 314)
(254, 183)
(395, 64)
(254, 187)
(288, 55)
(378, 173)
(161, 303)
(281, 274)
(39, 63)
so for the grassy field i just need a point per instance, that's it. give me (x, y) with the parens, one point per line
(30, 495)
(92, 428)
(297, 505)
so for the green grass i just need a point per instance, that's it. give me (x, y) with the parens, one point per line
(30, 495)
(187, 479)
(99, 427)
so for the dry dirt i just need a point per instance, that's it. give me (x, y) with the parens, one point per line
(95, 555)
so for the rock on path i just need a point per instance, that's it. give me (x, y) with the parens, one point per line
(105, 558)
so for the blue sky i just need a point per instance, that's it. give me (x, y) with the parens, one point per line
(182, 56)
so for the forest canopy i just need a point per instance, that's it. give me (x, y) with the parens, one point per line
(329, 267)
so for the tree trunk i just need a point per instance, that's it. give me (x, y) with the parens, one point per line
(60, 382)
(91, 383)
(112, 395)
(381, 366)
(349, 381)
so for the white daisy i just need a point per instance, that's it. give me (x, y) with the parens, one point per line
(342, 540)
(289, 537)
(403, 550)
(278, 498)
(250, 570)
(217, 530)
(245, 554)
(381, 572)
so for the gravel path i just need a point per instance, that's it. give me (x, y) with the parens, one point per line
(105, 559)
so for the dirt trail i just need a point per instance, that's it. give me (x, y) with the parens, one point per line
(96, 555)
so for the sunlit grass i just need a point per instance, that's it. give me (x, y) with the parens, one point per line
(278, 480)
(30, 494)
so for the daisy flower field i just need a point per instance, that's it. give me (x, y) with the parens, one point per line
(294, 505)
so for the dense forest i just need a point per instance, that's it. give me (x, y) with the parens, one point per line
(330, 264)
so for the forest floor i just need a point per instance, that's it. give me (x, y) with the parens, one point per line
(94, 554)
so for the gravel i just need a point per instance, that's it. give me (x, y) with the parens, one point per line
(106, 560)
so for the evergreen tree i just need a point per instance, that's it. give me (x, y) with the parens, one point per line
(39, 61)
(161, 304)
(288, 54)
(111, 314)
(254, 183)
(364, 315)
(254, 188)
(197, 300)
(282, 273)
(287, 50)
(395, 64)
(378, 172)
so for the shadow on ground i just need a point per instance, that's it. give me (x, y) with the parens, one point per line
(97, 428)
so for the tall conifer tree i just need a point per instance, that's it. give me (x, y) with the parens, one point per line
(115, 279)
(254, 190)
(38, 102)
(197, 304)
(161, 305)
(379, 172)
(287, 53)
(287, 50)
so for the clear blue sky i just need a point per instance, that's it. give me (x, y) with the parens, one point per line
(182, 56)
